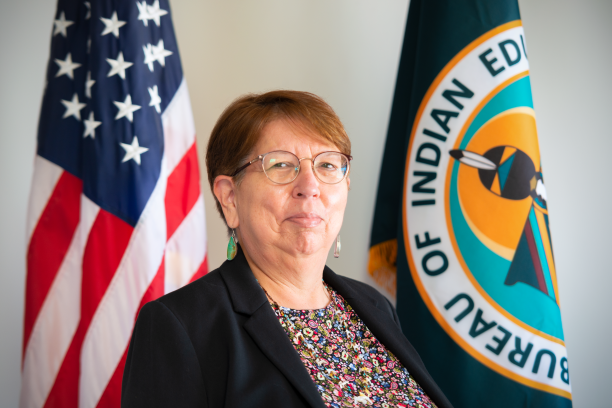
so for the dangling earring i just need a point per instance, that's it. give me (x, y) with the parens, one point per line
(231, 246)
(337, 248)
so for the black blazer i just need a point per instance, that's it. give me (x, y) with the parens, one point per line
(217, 343)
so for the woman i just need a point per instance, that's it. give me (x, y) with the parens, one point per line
(273, 326)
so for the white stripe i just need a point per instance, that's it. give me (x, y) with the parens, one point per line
(44, 180)
(179, 129)
(111, 327)
(186, 249)
(58, 318)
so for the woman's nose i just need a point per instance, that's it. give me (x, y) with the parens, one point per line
(306, 184)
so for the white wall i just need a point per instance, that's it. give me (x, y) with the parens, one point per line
(25, 28)
(570, 56)
(347, 51)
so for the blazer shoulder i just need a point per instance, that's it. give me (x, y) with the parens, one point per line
(204, 293)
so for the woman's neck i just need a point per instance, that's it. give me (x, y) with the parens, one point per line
(296, 283)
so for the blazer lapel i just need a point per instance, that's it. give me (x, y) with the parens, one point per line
(248, 298)
(386, 330)
(266, 331)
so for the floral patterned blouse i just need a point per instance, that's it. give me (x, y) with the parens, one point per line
(348, 365)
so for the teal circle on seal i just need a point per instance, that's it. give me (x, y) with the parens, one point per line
(524, 302)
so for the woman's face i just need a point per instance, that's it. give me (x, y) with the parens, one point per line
(300, 218)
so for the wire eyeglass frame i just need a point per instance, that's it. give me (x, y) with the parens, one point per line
(261, 158)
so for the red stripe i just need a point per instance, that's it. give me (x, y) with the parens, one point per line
(182, 191)
(112, 394)
(48, 246)
(202, 270)
(535, 258)
(108, 240)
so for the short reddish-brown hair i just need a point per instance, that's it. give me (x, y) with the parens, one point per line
(239, 127)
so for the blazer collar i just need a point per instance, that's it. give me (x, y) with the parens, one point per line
(262, 325)
(248, 298)
(245, 293)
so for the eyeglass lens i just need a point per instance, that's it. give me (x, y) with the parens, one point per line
(283, 167)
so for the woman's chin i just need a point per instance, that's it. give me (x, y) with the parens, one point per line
(305, 243)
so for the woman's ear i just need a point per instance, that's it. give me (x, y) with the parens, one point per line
(224, 189)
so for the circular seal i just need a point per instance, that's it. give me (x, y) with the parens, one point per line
(476, 228)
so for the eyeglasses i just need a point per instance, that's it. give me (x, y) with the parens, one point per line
(283, 167)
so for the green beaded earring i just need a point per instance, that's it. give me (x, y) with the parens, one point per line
(231, 246)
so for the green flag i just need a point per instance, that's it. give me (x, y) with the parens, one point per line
(461, 232)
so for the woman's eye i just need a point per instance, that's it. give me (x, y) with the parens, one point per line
(281, 165)
(326, 166)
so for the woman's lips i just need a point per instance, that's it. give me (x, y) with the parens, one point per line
(305, 220)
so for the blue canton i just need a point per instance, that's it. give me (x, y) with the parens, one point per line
(114, 67)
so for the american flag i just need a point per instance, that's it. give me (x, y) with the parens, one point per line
(116, 216)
